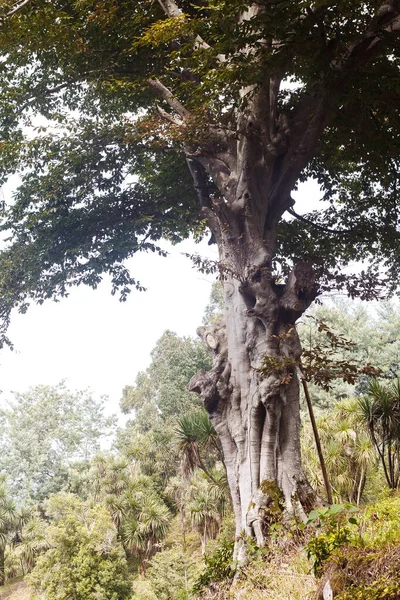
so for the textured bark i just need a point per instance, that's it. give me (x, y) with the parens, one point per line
(256, 417)
(244, 176)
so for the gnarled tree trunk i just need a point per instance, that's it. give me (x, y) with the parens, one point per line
(256, 414)
(244, 174)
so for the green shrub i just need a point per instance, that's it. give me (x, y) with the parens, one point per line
(218, 566)
(172, 574)
(367, 566)
(380, 522)
(366, 574)
(85, 561)
(334, 530)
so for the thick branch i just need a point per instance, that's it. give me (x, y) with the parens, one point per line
(386, 20)
(200, 181)
(314, 109)
(308, 124)
(167, 95)
(172, 10)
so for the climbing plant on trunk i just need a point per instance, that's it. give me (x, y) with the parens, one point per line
(208, 115)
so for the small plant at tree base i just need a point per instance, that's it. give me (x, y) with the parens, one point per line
(334, 525)
(218, 566)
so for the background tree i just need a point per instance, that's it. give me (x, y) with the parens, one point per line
(164, 385)
(379, 409)
(373, 333)
(206, 508)
(85, 559)
(230, 129)
(7, 518)
(137, 509)
(348, 452)
(172, 574)
(159, 397)
(46, 430)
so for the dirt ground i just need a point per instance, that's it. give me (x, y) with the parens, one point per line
(17, 590)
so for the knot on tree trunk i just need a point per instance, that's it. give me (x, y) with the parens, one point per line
(300, 290)
(214, 386)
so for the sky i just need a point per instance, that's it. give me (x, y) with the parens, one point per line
(92, 340)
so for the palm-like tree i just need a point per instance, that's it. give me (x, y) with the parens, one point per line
(379, 410)
(142, 530)
(197, 438)
(32, 542)
(7, 521)
(138, 512)
(206, 508)
(348, 452)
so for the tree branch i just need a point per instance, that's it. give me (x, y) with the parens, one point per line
(168, 117)
(313, 111)
(16, 7)
(300, 290)
(172, 10)
(387, 20)
(167, 95)
(47, 92)
(200, 182)
(317, 226)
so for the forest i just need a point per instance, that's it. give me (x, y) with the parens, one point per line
(128, 123)
(143, 511)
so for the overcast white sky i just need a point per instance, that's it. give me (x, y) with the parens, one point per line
(93, 340)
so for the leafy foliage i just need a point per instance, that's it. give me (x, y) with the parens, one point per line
(47, 429)
(218, 566)
(172, 574)
(367, 568)
(85, 559)
(104, 173)
(334, 523)
(380, 411)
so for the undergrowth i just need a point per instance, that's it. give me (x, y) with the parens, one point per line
(356, 551)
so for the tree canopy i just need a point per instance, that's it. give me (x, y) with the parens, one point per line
(119, 97)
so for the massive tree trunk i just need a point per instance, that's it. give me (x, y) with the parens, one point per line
(244, 174)
(256, 411)
(252, 392)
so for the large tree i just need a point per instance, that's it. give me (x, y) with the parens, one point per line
(47, 430)
(151, 105)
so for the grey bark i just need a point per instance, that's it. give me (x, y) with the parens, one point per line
(257, 417)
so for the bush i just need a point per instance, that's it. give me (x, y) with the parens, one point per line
(218, 566)
(368, 567)
(172, 574)
(85, 560)
(334, 530)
